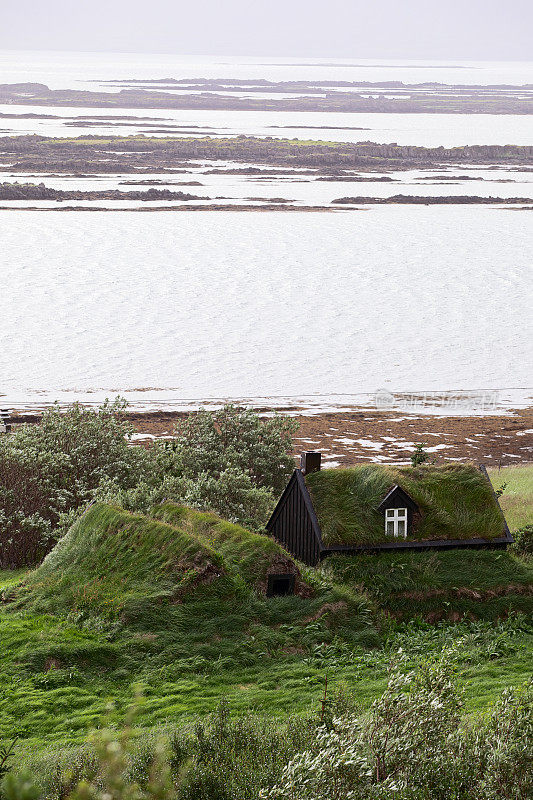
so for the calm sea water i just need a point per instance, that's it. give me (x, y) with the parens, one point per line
(227, 303)
(64, 69)
(210, 304)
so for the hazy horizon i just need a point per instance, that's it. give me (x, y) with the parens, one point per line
(480, 30)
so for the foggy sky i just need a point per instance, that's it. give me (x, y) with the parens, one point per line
(388, 29)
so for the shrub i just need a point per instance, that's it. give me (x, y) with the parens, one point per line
(414, 746)
(506, 747)
(211, 442)
(420, 455)
(230, 462)
(523, 541)
(48, 471)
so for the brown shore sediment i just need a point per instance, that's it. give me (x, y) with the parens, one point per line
(348, 437)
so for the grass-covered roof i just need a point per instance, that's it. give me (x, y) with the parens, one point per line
(111, 558)
(455, 501)
(250, 552)
(191, 582)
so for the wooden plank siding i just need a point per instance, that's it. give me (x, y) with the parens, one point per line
(294, 522)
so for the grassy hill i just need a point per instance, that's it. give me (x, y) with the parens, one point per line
(176, 603)
(517, 498)
(179, 608)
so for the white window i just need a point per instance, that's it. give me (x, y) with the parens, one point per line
(396, 522)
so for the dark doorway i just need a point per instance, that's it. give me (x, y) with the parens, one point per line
(280, 585)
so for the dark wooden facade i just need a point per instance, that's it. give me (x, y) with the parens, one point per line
(295, 525)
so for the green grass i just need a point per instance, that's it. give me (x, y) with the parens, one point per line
(252, 553)
(455, 502)
(10, 577)
(111, 560)
(168, 581)
(121, 603)
(57, 704)
(517, 499)
(479, 584)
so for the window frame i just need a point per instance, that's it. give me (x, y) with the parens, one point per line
(396, 516)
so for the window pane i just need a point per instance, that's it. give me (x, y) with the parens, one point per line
(401, 527)
(390, 512)
(389, 528)
(402, 512)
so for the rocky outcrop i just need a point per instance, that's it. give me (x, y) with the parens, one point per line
(303, 96)
(31, 191)
(406, 199)
(137, 154)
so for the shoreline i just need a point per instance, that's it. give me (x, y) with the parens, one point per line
(483, 401)
(348, 436)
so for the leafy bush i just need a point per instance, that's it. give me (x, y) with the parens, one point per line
(211, 442)
(229, 461)
(234, 758)
(523, 540)
(414, 745)
(49, 471)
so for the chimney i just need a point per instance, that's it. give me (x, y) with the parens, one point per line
(5, 420)
(310, 461)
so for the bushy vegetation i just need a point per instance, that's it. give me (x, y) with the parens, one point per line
(415, 743)
(456, 502)
(49, 471)
(228, 461)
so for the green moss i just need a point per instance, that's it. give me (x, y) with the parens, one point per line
(455, 501)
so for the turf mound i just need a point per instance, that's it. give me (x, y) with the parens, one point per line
(455, 502)
(477, 584)
(255, 556)
(111, 558)
(189, 583)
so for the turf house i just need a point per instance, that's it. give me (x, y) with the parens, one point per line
(373, 507)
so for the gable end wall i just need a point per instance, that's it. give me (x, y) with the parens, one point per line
(291, 524)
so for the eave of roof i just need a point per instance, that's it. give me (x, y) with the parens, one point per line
(411, 544)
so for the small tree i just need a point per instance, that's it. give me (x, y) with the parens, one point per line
(229, 461)
(420, 455)
(210, 442)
